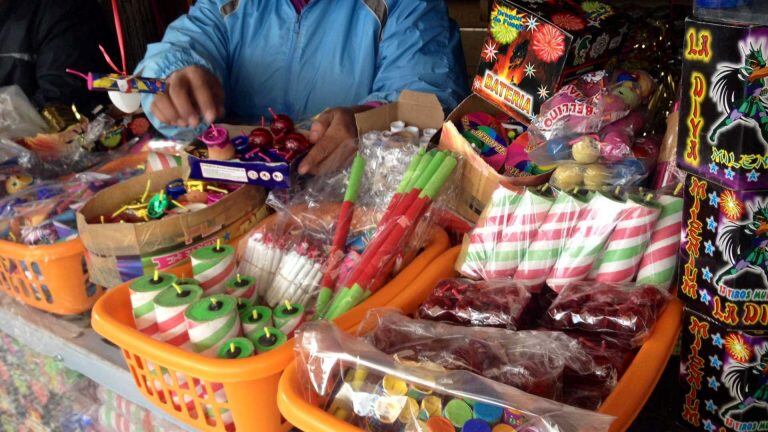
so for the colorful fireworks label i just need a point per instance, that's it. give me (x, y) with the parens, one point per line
(533, 46)
(724, 254)
(724, 376)
(723, 134)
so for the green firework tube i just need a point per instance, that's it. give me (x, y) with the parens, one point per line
(236, 348)
(255, 319)
(143, 292)
(267, 339)
(288, 317)
(212, 266)
(170, 306)
(211, 321)
(242, 287)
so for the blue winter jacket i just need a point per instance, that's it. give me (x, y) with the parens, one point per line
(335, 53)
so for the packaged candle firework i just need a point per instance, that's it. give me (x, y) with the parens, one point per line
(354, 381)
(533, 361)
(493, 303)
(626, 312)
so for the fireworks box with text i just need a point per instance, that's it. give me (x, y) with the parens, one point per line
(723, 376)
(533, 46)
(724, 254)
(723, 134)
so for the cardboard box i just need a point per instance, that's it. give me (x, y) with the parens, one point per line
(412, 107)
(723, 376)
(479, 179)
(118, 252)
(724, 254)
(534, 46)
(723, 134)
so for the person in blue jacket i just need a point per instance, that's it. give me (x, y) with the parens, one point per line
(323, 58)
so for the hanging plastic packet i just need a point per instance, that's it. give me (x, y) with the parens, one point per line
(493, 303)
(356, 382)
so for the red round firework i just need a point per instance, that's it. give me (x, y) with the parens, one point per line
(731, 206)
(568, 21)
(737, 348)
(548, 43)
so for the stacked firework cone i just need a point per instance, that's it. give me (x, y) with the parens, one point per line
(535, 238)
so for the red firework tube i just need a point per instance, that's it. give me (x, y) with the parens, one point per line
(418, 164)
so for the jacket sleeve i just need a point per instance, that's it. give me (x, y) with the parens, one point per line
(420, 50)
(64, 41)
(196, 39)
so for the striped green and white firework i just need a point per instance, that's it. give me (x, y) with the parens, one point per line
(501, 259)
(243, 287)
(211, 321)
(549, 241)
(170, 306)
(212, 266)
(478, 245)
(586, 241)
(659, 261)
(142, 293)
(627, 242)
(255, 319)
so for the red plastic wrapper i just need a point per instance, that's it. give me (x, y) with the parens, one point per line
(626, 312)
(532, 361)
(493, 303)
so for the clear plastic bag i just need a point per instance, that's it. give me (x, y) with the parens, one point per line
(507, 226)
(626, 312)
(354, 381)
(493, 303)
(18, 117)
(532, 361)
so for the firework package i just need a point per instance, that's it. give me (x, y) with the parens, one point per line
(743, 11)
(532, 47)
(723, 133)
(538, 237)
(723, 376)
(120, 251)
(722, 270)
(376, 390)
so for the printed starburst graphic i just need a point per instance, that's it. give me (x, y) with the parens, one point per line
(543, 92)
(490, 49)
(731, 206)
(530, 70)
(737, 348)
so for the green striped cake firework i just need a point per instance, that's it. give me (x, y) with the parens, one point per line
(488, 230)
(255, 319)
(261, 258)
(212, 266)
(242, 287)
(288, 317)
(500, 257)
(627, 242)
(142, 293)
(211, 321)
(549, 241)
(659, 261)
(586, 242)
(170, 306)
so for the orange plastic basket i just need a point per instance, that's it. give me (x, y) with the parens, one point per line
(624, 403)
(247, 388)
(54, 278)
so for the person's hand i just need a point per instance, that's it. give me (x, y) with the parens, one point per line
(193, 92)
(332, 135)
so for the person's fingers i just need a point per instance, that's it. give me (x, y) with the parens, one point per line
(318, 153)
(341, 156)
(179, 92)
(205, 90)
(164, 110)
(320, 126)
